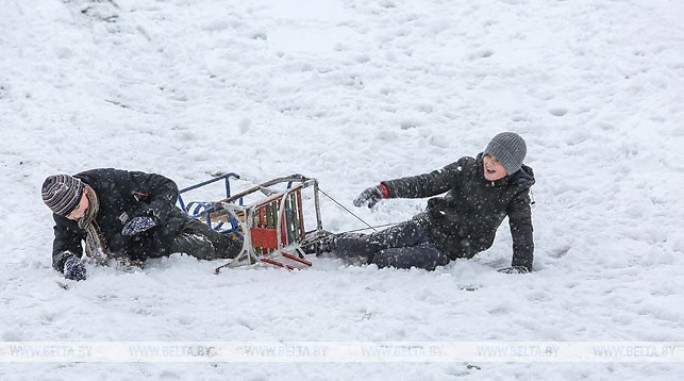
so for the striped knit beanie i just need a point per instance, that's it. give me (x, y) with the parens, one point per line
(62, 193)
(509, 149)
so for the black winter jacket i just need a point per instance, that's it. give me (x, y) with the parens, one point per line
(464, 221)
(123, 195)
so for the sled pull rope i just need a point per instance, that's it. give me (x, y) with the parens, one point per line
(347, 210)
(374, 228)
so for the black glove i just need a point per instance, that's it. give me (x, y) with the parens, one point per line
(138, 225)
(514, 270)
(370, 196)
(74, 269)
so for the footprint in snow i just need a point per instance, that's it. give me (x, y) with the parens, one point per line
(558, 111)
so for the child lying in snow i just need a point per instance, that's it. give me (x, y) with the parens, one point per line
(125, 215)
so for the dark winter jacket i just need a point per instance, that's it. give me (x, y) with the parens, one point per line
(464, 221)
(123, 195)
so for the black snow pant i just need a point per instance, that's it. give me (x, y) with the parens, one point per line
(402, 246)
(199, 240)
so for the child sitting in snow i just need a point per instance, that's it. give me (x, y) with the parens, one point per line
(480, 193)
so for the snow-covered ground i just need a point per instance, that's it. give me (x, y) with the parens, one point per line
(352, 92)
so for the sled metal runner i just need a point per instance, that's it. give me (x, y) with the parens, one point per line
(270, 228)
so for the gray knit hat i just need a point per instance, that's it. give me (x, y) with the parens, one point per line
(62, 193)
(510, 149)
